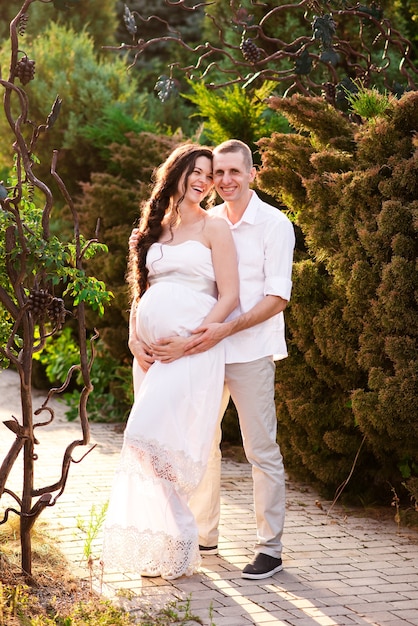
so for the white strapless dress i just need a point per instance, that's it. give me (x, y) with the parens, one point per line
(149, 527)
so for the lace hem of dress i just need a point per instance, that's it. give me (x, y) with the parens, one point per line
(149, 459)
(150, 553)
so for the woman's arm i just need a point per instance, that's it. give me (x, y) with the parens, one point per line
(139, 348)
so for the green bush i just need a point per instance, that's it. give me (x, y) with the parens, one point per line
(112, 395)
(97, 17)
(67, 65)
(350, 381)
(235, 113)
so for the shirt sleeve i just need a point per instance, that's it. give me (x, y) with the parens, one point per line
(279, 245)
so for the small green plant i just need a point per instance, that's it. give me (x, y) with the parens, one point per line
(13, 599)
(369, 103)
(97, 613)
(175, 612)
(128, 594)
(92, 529)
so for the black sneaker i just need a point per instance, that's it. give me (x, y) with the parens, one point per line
(208, 550)
(262, 566)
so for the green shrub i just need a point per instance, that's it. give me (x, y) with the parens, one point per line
(112, 395)
(350, 381)
(68, 65)
(234, 113)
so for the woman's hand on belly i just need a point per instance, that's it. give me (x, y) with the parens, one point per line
(169, 349)
(142, 353)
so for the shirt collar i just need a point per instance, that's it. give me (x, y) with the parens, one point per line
(249, 214)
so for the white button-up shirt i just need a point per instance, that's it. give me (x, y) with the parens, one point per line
(264, 239)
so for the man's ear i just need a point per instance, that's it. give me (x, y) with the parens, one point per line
(253, 173)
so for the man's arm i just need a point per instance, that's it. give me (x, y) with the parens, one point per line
(211, 334)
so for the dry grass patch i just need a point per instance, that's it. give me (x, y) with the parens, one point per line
(56, 598)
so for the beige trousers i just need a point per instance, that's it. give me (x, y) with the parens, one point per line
(251, 386)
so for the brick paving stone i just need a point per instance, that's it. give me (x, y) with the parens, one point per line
(412, 595)
(242, 621)
(405, 605)
(270, 618)
(389, 597)
(370, 608)
(408, 617)
(388, 619)
(396, 578)
(340, 570)
(405, 588)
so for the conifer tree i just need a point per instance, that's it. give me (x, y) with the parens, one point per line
(350, 383)
(85, 84)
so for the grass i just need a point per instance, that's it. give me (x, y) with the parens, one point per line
(58, 599)
(369, 102)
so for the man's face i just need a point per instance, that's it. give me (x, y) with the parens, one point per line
(231, 176)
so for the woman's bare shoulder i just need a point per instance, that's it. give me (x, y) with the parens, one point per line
(216, 225)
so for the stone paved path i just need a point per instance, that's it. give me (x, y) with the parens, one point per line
(338, 570)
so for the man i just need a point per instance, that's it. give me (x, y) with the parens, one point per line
(264, 238)
(254, 338)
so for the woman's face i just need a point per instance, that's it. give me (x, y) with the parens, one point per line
(200, 181)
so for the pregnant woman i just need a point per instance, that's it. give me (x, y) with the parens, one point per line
(182, 274)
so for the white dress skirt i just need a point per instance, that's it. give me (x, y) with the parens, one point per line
(149, 527)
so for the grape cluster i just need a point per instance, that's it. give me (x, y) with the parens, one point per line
(250, 51)
(25, 70)
(56, 311)
(23, 21)
(43, 305)
(329, 90)
(38, 302)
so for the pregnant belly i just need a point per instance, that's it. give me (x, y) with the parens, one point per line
(171, 309)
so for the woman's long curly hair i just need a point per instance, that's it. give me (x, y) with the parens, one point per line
(166, 179)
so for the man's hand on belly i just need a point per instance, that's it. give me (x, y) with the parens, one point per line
(205, 337)
(168, 349)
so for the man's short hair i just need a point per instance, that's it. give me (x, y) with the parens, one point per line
(235, 145)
